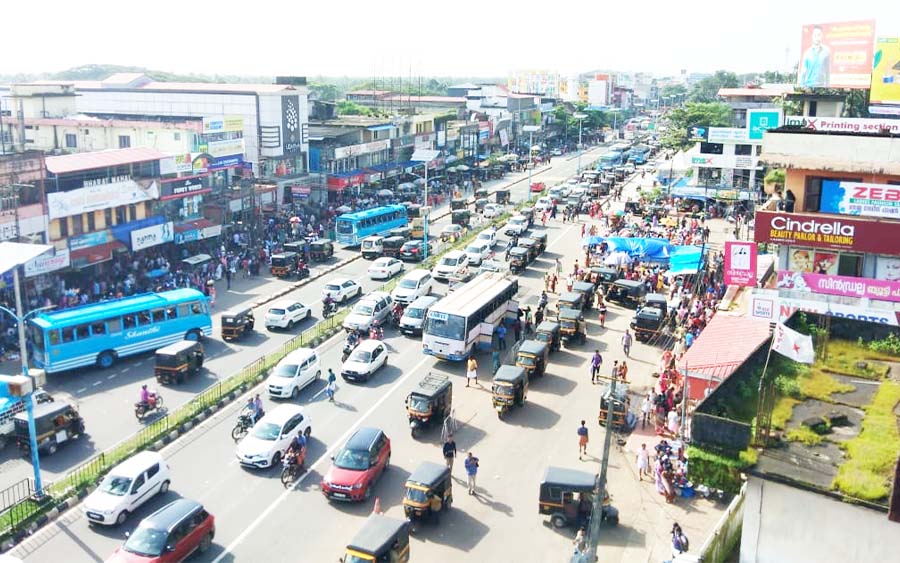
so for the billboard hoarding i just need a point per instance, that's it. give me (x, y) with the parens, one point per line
(740, 263)
(844, 124)
(856, 198)
(826, 231)
(843, 286)
(885, 87)
(769, 305)
(759, 120)
(836, 55)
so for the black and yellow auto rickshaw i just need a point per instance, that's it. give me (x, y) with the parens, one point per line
(567, 496)
(481, 193)
(629, 293)
(510, 388)
(55, 423)
(176, 361)
(587, 290)
(428, 481)
(381, 539)
(236, 323)
(532, 246)
(533, 355)
(571, 326)
(321, 250)
(570, 300)
(539, 236)
(392, 246)
(518, 259)
(548, 333)
(413, 210)
(457, 203)
(501, 196)
(528, 213)
(403, 232)
(480, 203)
(429, 402)
(283, 264)
(461, 217)
(604, 277)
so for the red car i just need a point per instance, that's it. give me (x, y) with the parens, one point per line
(170, 534)
(356, 467)
(537, 187)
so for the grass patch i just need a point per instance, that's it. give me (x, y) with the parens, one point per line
(783, 411)
(816, 384)
(872, 453)
(804, 435)
(843, 355)
(719, 470)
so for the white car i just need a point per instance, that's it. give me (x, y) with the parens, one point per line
(516, 225)
(488, 236)
(129, 485)
(543, 204)
(384, 268)
(629, 168)
(365, 360)
(492, 210)
(451, 232)
(452, 265)
(478, 251)
(574, 181)
(285, 314)
(267, 441)
(375, 306)
(341, 289)
(412, 286)
(294, 372)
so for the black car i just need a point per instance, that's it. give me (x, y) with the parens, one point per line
(412, 251)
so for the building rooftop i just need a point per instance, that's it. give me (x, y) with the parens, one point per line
(770, 91)
(156, 86)
(862, 153)
(100, 159)
(88, 121)
(427, 99)
(368, 92)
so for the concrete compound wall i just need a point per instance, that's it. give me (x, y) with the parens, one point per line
(782, 523)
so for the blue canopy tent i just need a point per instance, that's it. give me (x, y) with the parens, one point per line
(685, 260)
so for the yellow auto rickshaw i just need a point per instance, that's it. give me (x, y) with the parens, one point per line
(380, 539)
(532, 355)
(510, 388)
(429, 491)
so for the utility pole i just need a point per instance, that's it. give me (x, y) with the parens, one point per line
(597, 509)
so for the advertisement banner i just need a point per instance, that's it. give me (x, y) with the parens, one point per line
(152, 236)
(845, 286)
(225, 148)
(290, 124)
(99, 196)
(183, 188)
(183, 163)
(886, 72)
(223, 162)
(822, 231)
(223, 124)
(698, 134)
(364, 148)
(759, 120)
(727, 135)
(740, 263)
(855, 198)
(88, 240)
(844, 124)
(768, 305)
(836, 55)
(46, 264)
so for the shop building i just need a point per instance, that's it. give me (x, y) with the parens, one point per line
(22, 214)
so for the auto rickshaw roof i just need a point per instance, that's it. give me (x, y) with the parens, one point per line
(317, 243)
(518, 250)
(535, 347)
(569, 479)
(46, 410)
(527, 242)
(630, 284)
(597, 270)
(570, 314)
(237, 313)
(547, 326)
(537, 234)
(177, 348)
(296, 245)
(656, 297)
(377, 535)
(432, 385)
(509, 373)
(583, 286)
(429, 474)
(570, 297)
(284, 255)
(394, 239)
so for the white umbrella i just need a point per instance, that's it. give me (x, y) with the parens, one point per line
(406, 185)
(385, 193)
(420, 181)
(462, 168)
(344, 209)
(617, 259)
(451, 169)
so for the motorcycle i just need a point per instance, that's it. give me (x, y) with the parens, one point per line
(242, 426)
(292, 468)
(328, 309)
(302, 271)
(349, 346)
(142, 409)
(376, 333)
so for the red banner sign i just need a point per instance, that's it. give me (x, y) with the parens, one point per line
(827, 231)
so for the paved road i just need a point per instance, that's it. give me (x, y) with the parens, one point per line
(257, 520)
(105, 398)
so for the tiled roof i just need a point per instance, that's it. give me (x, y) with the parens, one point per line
(100, 159)
(725, 344)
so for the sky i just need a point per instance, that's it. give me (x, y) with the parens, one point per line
(463, 38)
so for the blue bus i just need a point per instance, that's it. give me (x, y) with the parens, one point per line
(99, 333)
(610, 159)
(353, 227)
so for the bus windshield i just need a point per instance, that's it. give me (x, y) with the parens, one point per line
(447, 326)
(344, 227)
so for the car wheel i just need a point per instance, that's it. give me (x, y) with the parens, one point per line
(205, 543)
(275, 459)
(307, 432)
(308, 314)
(318, 375)
(358, 291)
(164, 488)
(105, 360)
(52, 449)
(290, 325)
(294, 393)
(342, 299)
(122, 517)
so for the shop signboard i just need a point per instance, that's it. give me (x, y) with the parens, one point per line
(183, 163)
(364, 148)
(88, 240)
(152, 236)
(826, 231)
(698, 133)
(100, 196)
(223, 124)
(290, 124)
(728, 135)
(844, 286)
(182, 188)
(844, 124)
(836, 55)
(760, 120)
(740, 263)
(45, 264)
(770, 305)
(223, 162)
(856, 198)
(225, 148)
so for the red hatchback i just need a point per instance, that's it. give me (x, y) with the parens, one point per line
(356, 467)
(170, 534)
(537, 187)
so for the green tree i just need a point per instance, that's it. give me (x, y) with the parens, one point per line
(693, 114)
(673, 90)
(351, 108)
(707, 90)
(325, 91)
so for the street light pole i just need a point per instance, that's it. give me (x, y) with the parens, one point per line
(530, 129)
(580, 117)
(597, 508)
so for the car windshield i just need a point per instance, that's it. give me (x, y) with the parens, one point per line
(448, 262)
(443, 325)
(485, 236)
(345, 227)
(267, 431)
(276, 312)
(525, 360)
(414, 313)
(332, 287)
(285, 370)
(146, 541)
(363, 309)
(517, 220)
(361, 356)
(408, 284)
(416, 495)
(474, 249)
(116, 486)
(354, 460)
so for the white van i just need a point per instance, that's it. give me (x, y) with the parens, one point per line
(297, 370)
(452, 265)
(415, 284)
(414, 315)
(129, 485)
(372, 247)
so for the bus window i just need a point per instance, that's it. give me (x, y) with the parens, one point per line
(82, 332)
(53, 337)
(114, 325)
(129, 321)
(196, 308)
(159, 315)
(68, 335)
(143, 318)
(172, 313)
(184, 310)
(98, 328)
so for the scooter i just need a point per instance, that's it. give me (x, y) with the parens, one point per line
(349, 346)
(142, 409)
(302, 271)
(328, 310)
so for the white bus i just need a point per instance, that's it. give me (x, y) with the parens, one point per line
(468, 316)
